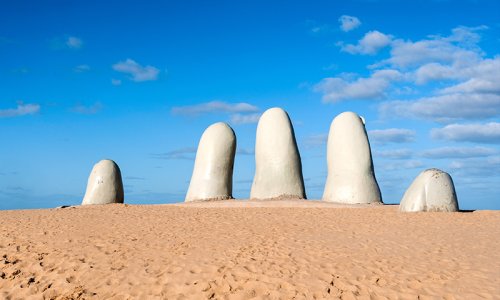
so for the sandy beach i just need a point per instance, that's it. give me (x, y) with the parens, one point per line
(248, 249)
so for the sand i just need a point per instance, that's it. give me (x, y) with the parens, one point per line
(243, 250)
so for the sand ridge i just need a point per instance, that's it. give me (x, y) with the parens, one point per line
(238, 250)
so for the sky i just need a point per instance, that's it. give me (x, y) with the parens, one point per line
(139, 81)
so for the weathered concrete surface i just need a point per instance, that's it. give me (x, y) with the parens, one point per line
(278, 169)
(212, 177)
(351, 177)
(432, 190)
(104, 184)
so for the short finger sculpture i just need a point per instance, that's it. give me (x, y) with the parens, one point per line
(104, 184)
(432, 190)
(212, 177)
(278, 169)
(351, 178)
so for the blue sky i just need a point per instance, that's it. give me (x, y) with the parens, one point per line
(139, 81)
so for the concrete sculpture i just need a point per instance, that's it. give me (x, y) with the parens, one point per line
(105, 184)
(432, 190)
(278, 169)
(212, 177)
(351, 178)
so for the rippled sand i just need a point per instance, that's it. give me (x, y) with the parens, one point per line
(242, 250)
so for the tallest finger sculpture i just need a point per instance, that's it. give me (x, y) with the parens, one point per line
(278, 170)
(351, 178)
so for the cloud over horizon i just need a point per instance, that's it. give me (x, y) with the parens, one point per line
(444, 108)
(469, 89)
(488, 133)
(458, 152)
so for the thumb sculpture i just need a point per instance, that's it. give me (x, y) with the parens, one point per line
(278, 169)
(212, 177)
(432, 190)
(105, 184)
(351, 178)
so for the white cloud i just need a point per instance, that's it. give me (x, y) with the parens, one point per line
(406, 54)
(482, 77)
(484, 167)
(475, 96)
(116, 81)
(445, 108)
(476, 75)
(74, 42)
(458, 152)
(348, 23)
(87, 110)
(239, 119)
(432, 72)
(475, 85)
(459, 47)
(392, 135)
(21, 110)
(468, 87)
(137, 72)
(370, 44)
(466, 36)
(214, 107)
(81, 68)
(455, 59)
(337, 88)
(488, 133)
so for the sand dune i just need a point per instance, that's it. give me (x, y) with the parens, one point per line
(243, 250)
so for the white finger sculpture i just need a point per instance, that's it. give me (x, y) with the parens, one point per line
(432, 190)
(105, 184)
(351, 178)
(278, 169)
(212, 177)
